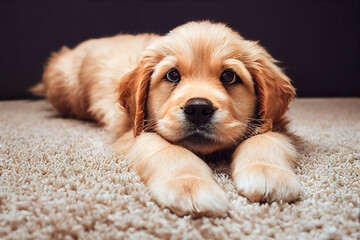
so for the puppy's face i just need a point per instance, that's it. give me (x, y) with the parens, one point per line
(198, 82)
(201, 96)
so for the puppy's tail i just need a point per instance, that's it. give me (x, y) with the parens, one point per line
(38, 89)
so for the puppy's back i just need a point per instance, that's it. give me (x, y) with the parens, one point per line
(75, 80)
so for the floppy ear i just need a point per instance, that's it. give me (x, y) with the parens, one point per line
(132, 91)
(273, 87)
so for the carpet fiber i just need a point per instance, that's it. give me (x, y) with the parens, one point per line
(60, 180)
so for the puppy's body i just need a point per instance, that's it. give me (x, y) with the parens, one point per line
(202, 88)
(82, 82)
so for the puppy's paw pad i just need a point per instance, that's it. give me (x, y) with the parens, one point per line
(191, 196)
(263, 183)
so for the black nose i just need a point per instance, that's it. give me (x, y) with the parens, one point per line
(198, 110)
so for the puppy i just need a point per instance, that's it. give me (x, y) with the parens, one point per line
(172, 99)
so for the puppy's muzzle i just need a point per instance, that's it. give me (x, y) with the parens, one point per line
(198, 110)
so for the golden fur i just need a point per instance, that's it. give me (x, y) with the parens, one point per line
(100, 76)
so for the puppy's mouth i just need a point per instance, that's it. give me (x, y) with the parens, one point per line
(195, 137)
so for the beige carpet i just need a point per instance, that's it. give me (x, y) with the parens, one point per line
(60, 180)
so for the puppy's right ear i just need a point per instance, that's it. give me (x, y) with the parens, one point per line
(133, 90)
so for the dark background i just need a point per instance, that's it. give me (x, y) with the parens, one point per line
(316, 41)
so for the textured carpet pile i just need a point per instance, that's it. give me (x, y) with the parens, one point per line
(60, 180)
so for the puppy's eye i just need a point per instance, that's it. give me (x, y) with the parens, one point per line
(229, 77)
(173, 75)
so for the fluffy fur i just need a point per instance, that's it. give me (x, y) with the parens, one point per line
(120, 83)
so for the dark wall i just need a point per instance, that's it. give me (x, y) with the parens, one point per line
(316, 41)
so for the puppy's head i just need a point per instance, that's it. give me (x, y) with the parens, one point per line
(201, 85)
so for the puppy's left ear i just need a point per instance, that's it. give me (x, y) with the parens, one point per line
(133, 90)
(273, 87)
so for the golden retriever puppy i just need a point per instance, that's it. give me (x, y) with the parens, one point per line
(172, 100)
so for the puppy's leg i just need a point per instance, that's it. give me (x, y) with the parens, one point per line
(262, 168)
(176, 177)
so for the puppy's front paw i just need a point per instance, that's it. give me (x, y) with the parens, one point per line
(267, 183)
(190, 195)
